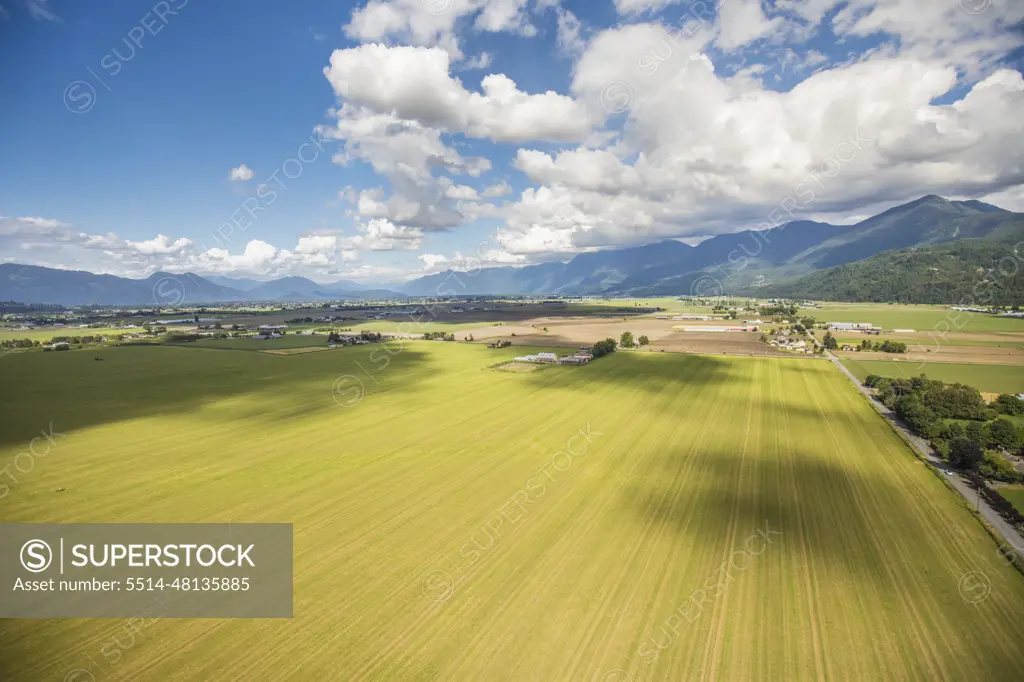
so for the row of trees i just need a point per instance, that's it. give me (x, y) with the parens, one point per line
(29, 343)
(372, 337)
(438, 336)
(926, 406)
(998, 502)
(602, 348)
(883, 346)
(19, 343)
(791, 310)
(830, 343)
(946, 401)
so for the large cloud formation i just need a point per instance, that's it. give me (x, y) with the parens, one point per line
(722, 119)
(655, 141)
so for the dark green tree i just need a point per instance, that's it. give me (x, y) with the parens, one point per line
(976, 433)
(1003, 434)
(1008, 403)
(965, 454)
(918, 417)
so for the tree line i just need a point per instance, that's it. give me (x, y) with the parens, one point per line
(961, 427)
(29, 343)
(602, 348)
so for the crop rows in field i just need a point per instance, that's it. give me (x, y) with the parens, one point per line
(653, 515)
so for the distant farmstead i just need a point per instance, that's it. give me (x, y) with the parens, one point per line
(580, 358)
(849, 326)
(538, 357)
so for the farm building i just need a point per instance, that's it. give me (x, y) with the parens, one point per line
(704, 318)
(849, 326)
(572, 360)
(719, 329)
(537, 358)
(903, 331)
(577, 359)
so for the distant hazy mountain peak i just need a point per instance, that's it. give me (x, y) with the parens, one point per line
(666, 267)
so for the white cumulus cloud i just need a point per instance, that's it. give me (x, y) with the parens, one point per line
(243, 173)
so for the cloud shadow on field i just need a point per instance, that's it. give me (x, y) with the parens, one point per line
(73, 391)
(650, 372)
(787, 493)
(656, 373)
(805, 496)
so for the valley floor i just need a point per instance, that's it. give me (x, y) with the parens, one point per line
(648, 516)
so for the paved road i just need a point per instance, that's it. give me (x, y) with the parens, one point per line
(1007, 531)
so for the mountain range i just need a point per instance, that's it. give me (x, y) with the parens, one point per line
(934, 244)
(738, 261)
(33, 284)
(967, 271)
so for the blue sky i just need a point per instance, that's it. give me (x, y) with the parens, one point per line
(603, 123)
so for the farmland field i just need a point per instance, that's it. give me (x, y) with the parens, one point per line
(456, 522)
(984, 377)
(409, 325)
(961, 355)
(1015, 494)
(922, 343)
(45, 334)
(251, 343)
(921, 318)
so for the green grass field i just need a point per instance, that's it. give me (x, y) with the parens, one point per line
(439, 535)
(922, 318)
(247, 343)
(47, 333)
(988, 378)
(918, 345)
(1015, 494)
